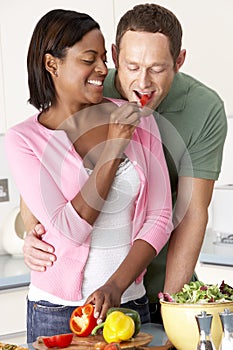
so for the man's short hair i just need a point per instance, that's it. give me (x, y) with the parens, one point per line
(152, 18)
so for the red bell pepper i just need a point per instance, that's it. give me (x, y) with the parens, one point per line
(82, 320)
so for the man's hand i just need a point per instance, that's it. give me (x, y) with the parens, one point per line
(37, 253)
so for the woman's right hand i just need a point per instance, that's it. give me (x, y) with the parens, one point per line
(122, 123)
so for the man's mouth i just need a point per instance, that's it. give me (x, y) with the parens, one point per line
(143, 97)
(95, 82)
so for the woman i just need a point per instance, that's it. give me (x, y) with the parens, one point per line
(92, 171)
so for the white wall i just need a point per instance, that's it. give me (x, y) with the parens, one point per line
(17, 21)
(207, 38)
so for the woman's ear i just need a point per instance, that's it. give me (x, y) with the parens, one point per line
(51, 65)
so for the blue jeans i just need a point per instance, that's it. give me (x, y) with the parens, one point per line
(141, 305)
(46, 319)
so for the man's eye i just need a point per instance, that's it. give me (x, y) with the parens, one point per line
(157, 70)
(132, 68)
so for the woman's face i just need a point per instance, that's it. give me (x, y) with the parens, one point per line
(81, 74)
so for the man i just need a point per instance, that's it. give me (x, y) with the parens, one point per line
(192, 122)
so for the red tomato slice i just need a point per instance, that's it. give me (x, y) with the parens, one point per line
(144, 99)
(60, 340)
(112, 346)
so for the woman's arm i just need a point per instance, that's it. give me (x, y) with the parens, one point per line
(42, 193)
(154, 232)
(109, 295)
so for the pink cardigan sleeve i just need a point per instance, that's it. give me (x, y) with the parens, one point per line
(153, 212)
(38, 187)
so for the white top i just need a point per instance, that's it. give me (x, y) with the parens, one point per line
(111, 239)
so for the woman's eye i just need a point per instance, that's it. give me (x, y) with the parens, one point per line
(89, 61)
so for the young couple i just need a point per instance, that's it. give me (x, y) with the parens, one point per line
(92, 170)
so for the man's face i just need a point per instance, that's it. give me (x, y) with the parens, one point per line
(145, 67)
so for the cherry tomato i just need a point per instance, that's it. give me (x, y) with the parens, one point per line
(59, 340)
(144, 99)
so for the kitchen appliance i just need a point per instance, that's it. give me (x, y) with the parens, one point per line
(13, 233)
(217, 247)
(222, 211)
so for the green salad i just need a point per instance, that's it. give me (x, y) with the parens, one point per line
(199, 292)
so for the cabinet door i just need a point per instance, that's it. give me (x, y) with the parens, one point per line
(214, 274)
(13, 310)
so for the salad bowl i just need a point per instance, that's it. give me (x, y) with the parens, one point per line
(180, 323)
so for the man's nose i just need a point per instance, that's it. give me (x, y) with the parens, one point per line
(143, 79)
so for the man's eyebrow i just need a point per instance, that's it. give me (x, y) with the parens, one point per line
(94, 51)
(155, 64)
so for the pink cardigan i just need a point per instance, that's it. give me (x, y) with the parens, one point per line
(49, 173)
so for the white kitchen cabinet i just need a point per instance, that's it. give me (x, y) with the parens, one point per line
(13, 315)
(214, 274)
(15, 44)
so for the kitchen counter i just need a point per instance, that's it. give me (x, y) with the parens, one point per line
(13, 272)
(157, 330)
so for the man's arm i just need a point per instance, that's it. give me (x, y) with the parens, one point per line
(37, 253)
(191, 217)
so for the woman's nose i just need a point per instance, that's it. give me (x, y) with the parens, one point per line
(102, 68)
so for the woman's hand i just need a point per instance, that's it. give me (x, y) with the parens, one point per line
(103, 298)
(122, 123)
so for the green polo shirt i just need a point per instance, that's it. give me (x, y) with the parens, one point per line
(193, 126)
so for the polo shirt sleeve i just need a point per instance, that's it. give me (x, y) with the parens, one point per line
(207, 133)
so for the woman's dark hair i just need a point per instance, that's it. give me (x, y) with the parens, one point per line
(152, 18)
(54, 33)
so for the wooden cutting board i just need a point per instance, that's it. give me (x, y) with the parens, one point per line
(85, 343)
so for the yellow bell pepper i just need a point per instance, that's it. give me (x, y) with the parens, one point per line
(118, 327)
